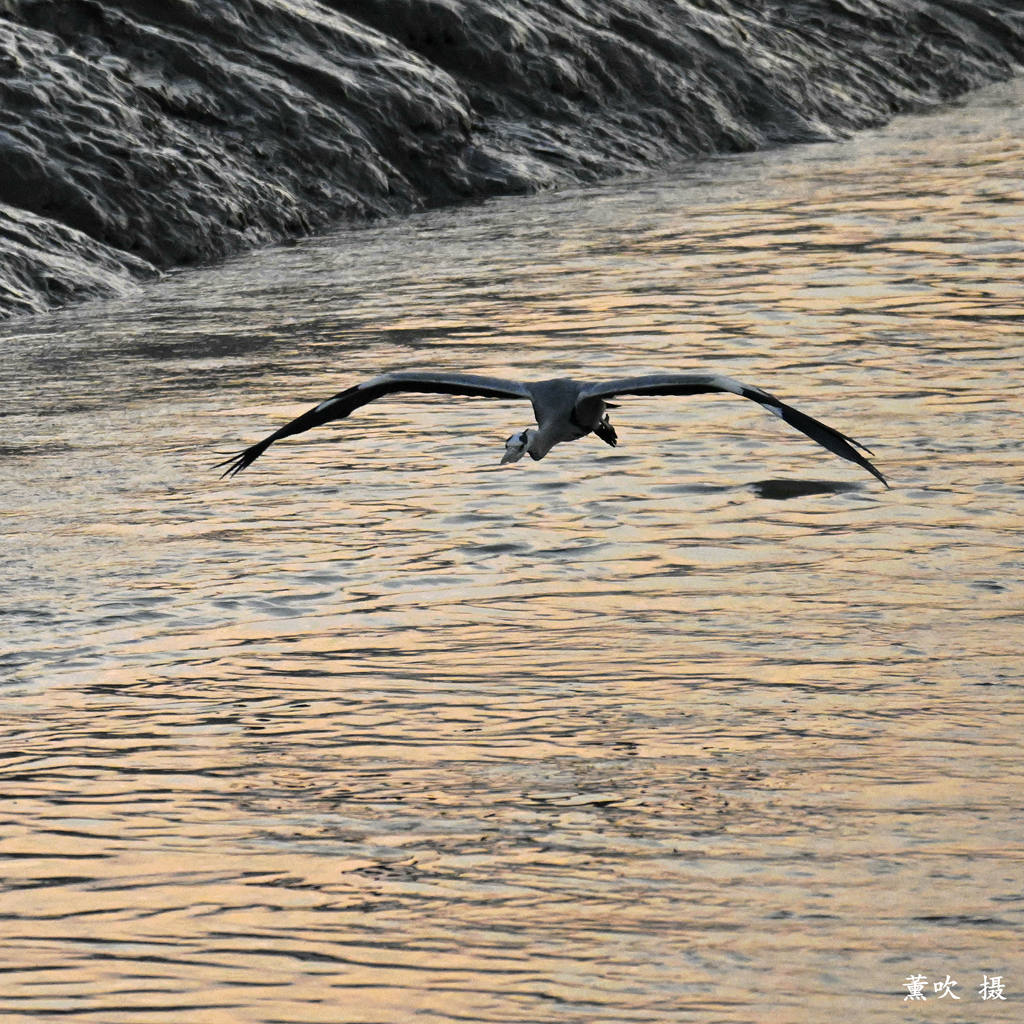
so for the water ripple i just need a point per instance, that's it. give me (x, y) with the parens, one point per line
(379, 731)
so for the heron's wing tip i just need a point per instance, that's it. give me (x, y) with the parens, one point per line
(234, 464)
(243, 459)
(828, 437)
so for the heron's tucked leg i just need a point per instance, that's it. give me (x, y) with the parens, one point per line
(606, 432)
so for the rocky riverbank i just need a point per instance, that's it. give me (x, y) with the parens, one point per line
(139, 136)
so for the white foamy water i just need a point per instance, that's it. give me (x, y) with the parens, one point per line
(709, 727)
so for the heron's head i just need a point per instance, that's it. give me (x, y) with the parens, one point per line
(516, 446)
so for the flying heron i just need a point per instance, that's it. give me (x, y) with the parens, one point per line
(565, 409)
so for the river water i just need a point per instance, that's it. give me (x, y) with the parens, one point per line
(709, 727)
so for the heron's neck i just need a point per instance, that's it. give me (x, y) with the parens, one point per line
(541, 442)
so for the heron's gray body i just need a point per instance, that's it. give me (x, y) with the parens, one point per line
(565, 409)
(561, 416)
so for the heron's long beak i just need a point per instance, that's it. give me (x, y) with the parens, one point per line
(515, 449)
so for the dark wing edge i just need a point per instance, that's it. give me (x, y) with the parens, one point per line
(346, 402)
(696, 384)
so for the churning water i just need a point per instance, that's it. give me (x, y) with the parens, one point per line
(709, 727)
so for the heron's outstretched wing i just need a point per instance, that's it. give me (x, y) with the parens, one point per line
(346, 402)
(703, 383)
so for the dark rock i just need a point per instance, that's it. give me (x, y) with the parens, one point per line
(137, 134)
(45, 263)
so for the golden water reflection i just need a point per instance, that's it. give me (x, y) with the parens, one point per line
(709, 726)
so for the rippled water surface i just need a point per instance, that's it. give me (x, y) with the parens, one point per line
(710, 727)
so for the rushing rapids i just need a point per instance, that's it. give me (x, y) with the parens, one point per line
(136, 137)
